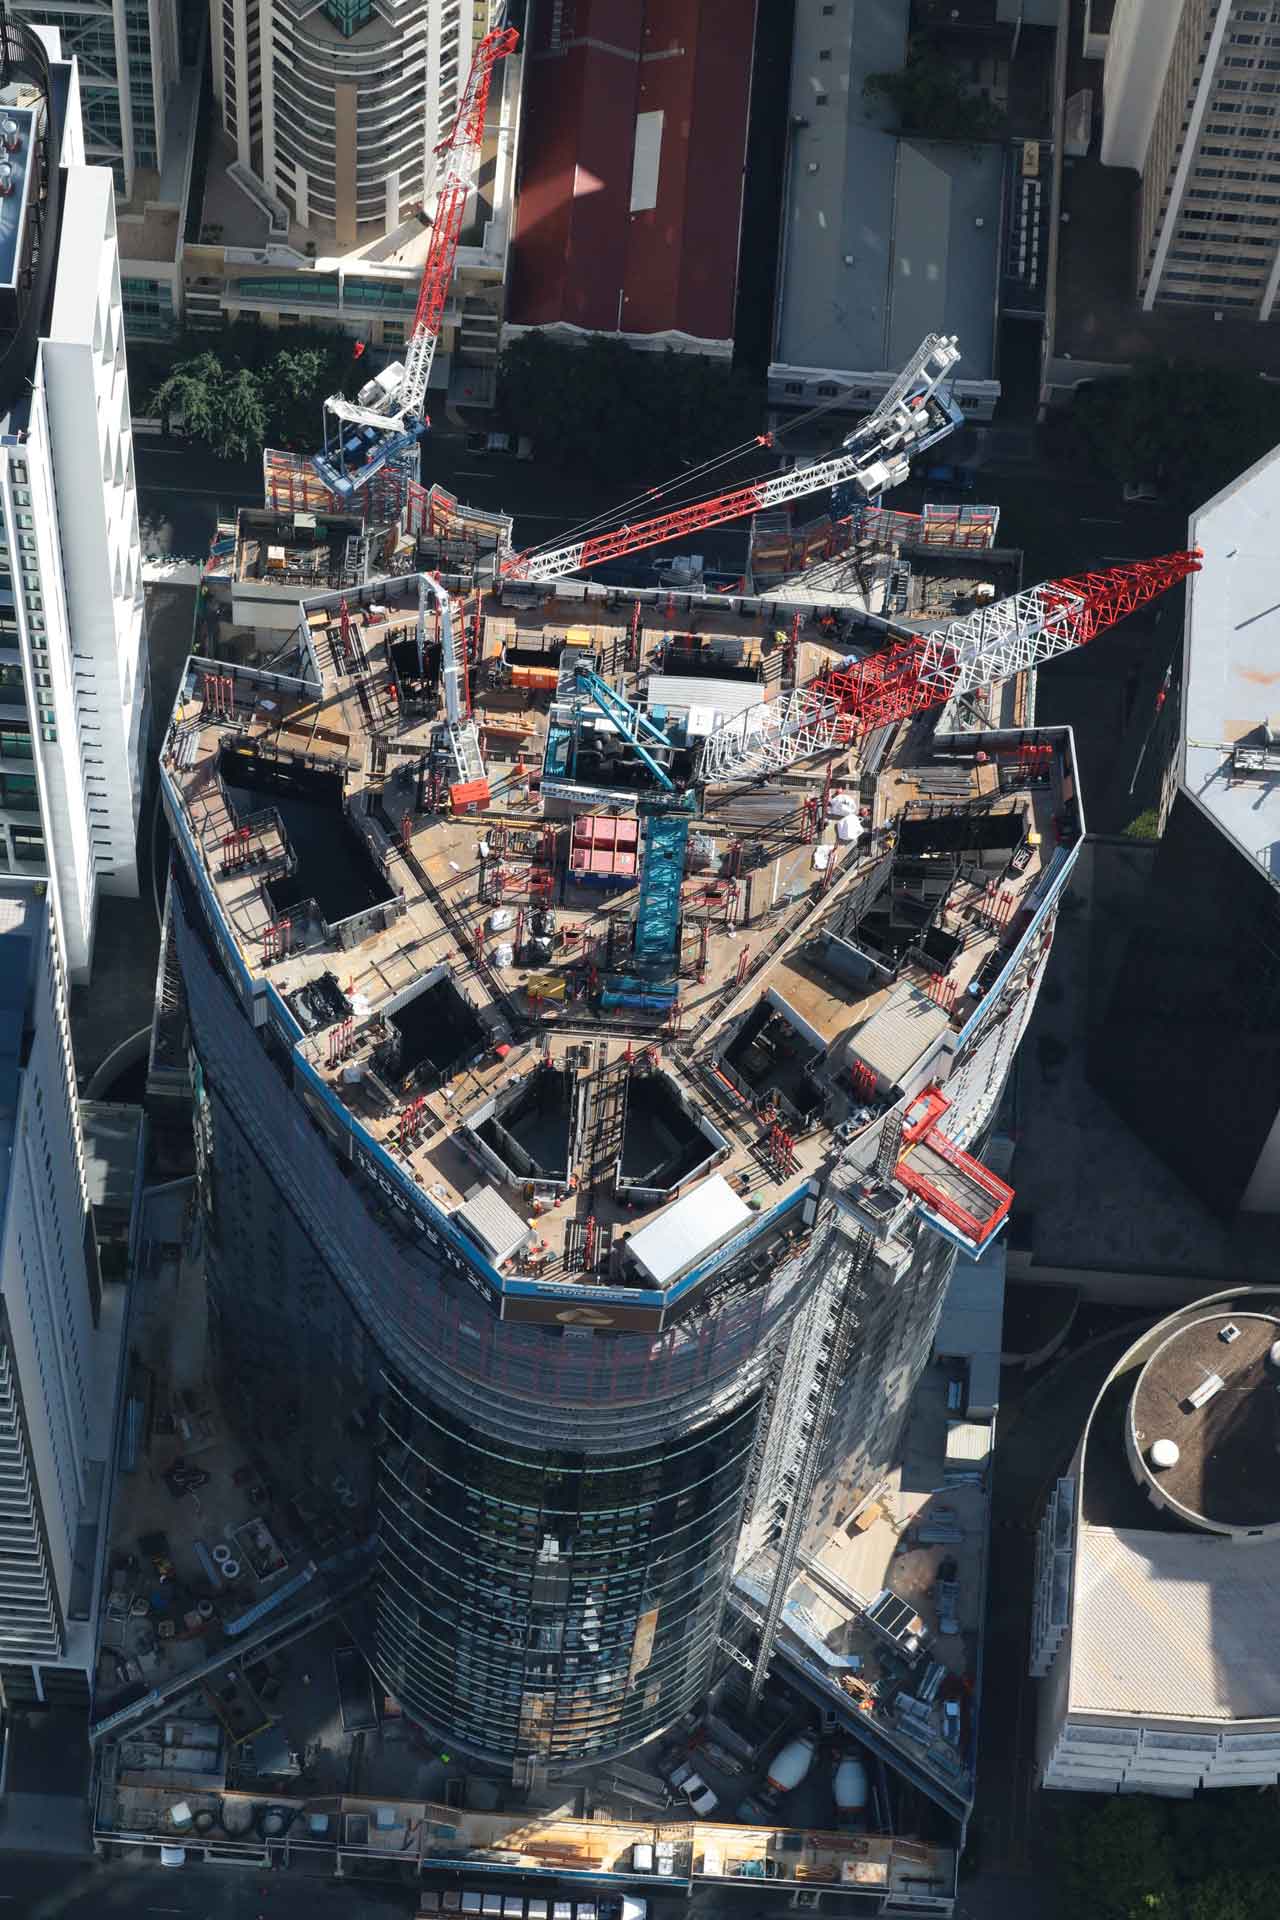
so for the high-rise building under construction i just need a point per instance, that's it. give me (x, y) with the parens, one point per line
(585, 1150)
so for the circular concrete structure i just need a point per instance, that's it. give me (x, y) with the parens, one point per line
(1211, 1392)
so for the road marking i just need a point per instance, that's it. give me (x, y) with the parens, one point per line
(1086, 521)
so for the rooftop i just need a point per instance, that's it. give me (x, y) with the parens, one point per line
(489, 1847)
(1097, 319)
(1175, 1626)
(489, 1031)
(886, 238)
(1169, 1620)
(631, 168)
(1230, 762)
(1225, 1470)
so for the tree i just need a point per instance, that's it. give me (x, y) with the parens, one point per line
(929, 97)
(1192, 428)
(1118, 1863)
(609, 414)
(294, 386)
(244, 390)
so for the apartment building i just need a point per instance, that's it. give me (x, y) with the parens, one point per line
(127, 52)
(336, 109)
(60, 1337)
(1191, 99)
(72, 637)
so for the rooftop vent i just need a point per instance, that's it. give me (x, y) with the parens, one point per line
(1200, 1396)
(1229, 1333)
(1164, 1453)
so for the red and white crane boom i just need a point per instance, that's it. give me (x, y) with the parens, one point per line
(979, 650)
(914, 414)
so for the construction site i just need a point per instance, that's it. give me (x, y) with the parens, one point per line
(600, 1002)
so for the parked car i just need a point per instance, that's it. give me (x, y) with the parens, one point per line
(955, 479)
(699, 1795)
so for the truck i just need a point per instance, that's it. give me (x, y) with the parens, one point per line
(790, 1765)
(849, 1786)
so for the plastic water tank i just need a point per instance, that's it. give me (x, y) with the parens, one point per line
(1164, 1453)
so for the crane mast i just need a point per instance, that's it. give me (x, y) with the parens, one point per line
(389, 413)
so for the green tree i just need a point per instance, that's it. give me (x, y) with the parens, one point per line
(221, 406)
(295, 384)
(610, 415)
(1192, 428)
(1117, 1862)
(240, 389)
(929, 97)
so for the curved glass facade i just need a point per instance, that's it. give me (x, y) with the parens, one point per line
(548, 1603)
(558, 1510)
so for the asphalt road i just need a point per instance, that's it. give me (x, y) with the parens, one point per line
(49, 1887)
(183, 491)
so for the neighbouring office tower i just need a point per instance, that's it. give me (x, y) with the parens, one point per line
(72, 638)
(541, 1240)
(336, 108)
(1157, 1594)
(60, 1340)
(1189, 1050)
(128, 57)
(1190, 93)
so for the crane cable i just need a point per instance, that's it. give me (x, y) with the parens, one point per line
(614, 516)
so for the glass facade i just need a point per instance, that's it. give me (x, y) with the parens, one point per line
(546, 1603)
(557, 1510)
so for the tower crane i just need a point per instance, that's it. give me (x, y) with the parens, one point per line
(388, 415)
(919, 671)
(914, 414)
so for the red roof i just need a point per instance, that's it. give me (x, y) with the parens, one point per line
(579, 253)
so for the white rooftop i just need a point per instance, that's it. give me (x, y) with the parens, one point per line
(1176, 1626)
(694, 1225)
(1231, 663)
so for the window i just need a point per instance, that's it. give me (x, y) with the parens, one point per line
(828, 390)
(27, 845)
(15, 741)
(793, 386)
(18, 792)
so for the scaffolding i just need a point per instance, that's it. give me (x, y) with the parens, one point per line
(812, 1372)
